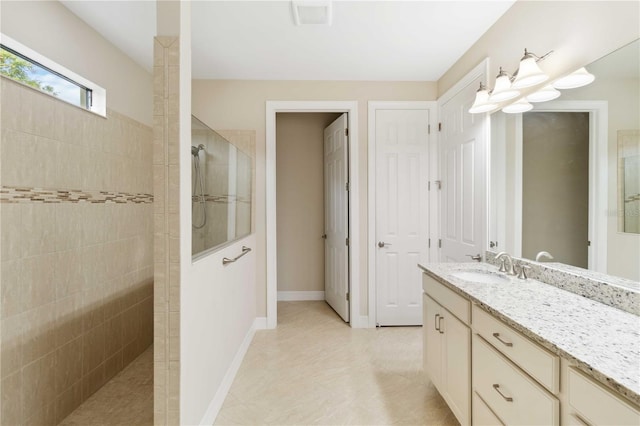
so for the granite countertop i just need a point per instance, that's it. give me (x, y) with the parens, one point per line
(602, 341)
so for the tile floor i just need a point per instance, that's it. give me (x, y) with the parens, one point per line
(315, 369)
(127, 399)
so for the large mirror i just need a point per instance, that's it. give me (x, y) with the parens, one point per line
(221, 181)
(565, 176)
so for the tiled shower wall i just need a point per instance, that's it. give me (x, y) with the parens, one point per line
(77, 252)
(166, 181)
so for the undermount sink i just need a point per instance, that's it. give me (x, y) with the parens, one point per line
(482, 277)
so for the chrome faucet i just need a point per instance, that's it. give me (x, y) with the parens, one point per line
(503, 256)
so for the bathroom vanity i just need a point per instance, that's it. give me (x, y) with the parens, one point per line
(501, 350)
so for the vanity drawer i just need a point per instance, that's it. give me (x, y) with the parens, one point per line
(482, 414)
(541, 364)
(450, 300)
(512, 396)
(597, 405)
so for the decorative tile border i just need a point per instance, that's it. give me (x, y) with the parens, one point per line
(614, 291)
(222, 199)
(9, 194)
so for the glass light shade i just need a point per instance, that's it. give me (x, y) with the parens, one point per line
(578, 78)
(482, 103)
(547, 93)
(521, 106)
(529, 74)
(503, 91)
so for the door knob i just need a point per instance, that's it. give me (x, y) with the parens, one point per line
(382, 244)
(477, 257)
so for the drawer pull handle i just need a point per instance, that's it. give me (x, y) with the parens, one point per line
(504, 342)
(440, 325)
(436, 323)
(580, 419)
(506, 398)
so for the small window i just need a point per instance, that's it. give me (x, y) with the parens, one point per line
(20, 68)
(28, 67)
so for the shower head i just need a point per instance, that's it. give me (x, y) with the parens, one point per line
(196, 149)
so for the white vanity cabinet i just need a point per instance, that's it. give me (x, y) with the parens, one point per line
(514, 376)
(447, 346)
(589, 403)
(490, 372)
(512, 395)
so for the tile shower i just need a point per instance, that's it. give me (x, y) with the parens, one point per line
(77, 252)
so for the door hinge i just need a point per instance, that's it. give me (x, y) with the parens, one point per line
(347, 296)
(346, 132)
(439, 127)
(346, 241)
(439, 243)
(588, 243)
(347, 186)
(428, 129)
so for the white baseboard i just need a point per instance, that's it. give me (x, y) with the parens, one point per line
(210, 415)
(260, 323)
(361, 321)
(289, 296)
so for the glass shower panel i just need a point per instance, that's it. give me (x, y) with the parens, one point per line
(221, 190)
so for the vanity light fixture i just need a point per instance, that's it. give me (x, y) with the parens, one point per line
(547, 93)
(529, 73)
(578, 78)
(482, 102)
(520, 106)
(507, 87)
(503, 90)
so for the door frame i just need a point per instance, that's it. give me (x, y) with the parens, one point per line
(598, 175)
(351, 108)
(373, 107)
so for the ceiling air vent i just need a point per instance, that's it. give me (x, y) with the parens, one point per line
(311, 12)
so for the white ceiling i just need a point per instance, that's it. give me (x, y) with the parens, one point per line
(129, 25)
(258, 40)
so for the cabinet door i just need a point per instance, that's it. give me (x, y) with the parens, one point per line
(432, 346)
(482, 414)
(457, 366)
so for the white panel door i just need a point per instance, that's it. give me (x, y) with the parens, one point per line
(402, 221)
(463, 166)
(336, 216)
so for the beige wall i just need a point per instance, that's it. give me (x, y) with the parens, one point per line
(76, 252)
(235, 104)
(578, 32)
(300, 199)
(52, 30)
